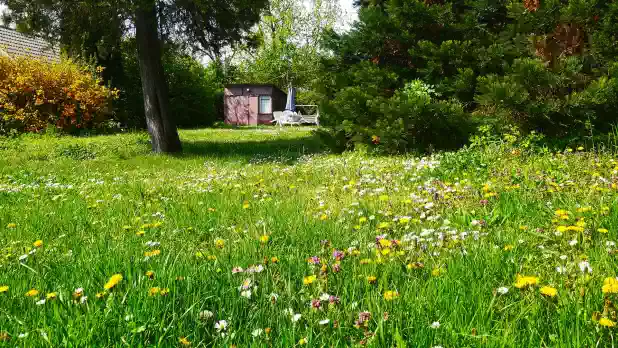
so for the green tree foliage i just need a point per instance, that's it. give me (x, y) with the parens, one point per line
(542, 65)
(196, 92)
(205, 26)
(287, 45)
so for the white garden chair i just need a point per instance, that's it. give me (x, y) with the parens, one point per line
(287, 117)
(310, 119)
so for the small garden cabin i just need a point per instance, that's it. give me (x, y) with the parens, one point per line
(252, 104)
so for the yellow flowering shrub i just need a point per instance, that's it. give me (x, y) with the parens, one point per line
(35, 93)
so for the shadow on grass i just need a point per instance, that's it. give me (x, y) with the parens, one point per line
(276, 150)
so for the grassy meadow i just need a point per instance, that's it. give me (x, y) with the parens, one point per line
(258, 237)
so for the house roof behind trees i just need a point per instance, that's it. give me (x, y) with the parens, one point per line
(13, 43)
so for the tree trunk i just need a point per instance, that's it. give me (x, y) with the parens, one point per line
(161, 126)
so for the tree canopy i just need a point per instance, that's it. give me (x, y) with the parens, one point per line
(97, 27)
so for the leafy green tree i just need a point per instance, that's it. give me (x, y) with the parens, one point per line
(196, 92)
(288, 37)
(535, 64)
(205, 26)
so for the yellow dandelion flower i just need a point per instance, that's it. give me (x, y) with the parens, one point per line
(323, 217)
(549, 291)
(11, 225)
(274, 259)
(101, 294)
(606, 322)
(38, 243)
(610, 286)
(51, 295)
(219, 243)
(602, 230)
(383, 225)
(302, 341)
(4, 288)
(150, 274)
(385, 243)
(362, 220)
(525, 281)
(32, 293)
(415, 265)
(113, 281)
(390, 295)
(508, 247)
(152, 253)
(264, 239)
(371, 279)
(211, 258)
(164, 292)
(310, 279)
(154, 291)
(436, 272)
(245, 205)
(184, 341)
(140, 233)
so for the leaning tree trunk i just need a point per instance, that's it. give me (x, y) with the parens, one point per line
(161, 126)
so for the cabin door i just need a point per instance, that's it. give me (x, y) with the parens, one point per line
(253, 110)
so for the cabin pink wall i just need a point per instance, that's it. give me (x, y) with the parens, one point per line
(242, 104)
(236, 110)
(253, 111)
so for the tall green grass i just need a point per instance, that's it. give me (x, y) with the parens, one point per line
(454, 229)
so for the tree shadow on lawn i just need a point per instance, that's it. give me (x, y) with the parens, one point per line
(276, 150)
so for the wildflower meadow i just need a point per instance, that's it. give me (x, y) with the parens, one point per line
(259, 238)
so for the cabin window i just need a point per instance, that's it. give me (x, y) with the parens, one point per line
(266, 105)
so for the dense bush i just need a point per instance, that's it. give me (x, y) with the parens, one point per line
(411, 119)
(196, 92)
(36, 93)
(545, 66)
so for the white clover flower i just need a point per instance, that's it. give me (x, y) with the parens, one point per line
(221, 325)
(206, 314)
(584, 266)
(435, 325)
(561, 269)
(257, 332)
(296, 317)
(503, 290)
(573, 242)
(246, 294)
(152, 244)
(324, 321)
